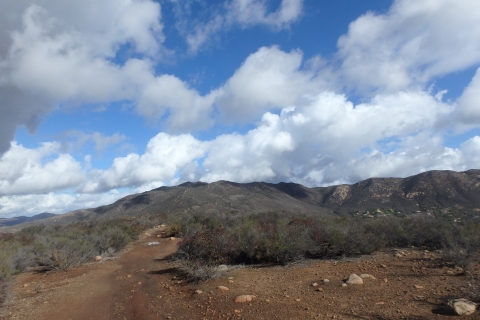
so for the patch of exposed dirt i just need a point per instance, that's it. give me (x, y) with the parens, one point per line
(140, 284)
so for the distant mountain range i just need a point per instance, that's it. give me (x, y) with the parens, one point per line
(17, 220)
(421, 192)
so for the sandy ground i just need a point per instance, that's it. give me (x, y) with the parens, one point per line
(141, 284)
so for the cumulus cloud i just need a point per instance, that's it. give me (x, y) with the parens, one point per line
(164, 156)
(412, 43)
(268, 79)
(244, 13)
(24, 171)
(55, 54)
(468, 110)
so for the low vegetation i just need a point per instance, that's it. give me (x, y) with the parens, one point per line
(281, 237)
(62, 247)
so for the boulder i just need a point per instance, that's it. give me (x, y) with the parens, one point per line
(244, 298)
(354, 279)
(462, 307)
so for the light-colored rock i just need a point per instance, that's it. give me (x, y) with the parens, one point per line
(354, 279)
(326, 280)
(98, 258)
(244, 298)
(462, 307)
(198, 291)
(319, 289)
(172, 238)
(223, 288)
(344, 285)
(314, 284)
(367, 276)
(418, 287)
(153, 243)
(222, 268)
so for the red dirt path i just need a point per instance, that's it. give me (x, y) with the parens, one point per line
(139, 284)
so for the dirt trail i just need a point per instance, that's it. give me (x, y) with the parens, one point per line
(122, 288)
(139, 284)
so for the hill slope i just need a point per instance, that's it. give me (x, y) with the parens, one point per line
(444, 189)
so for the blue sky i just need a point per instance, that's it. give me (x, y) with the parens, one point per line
(100, 98)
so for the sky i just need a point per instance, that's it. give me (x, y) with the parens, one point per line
(104, 98)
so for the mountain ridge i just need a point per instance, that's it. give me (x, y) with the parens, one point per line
(430, 189)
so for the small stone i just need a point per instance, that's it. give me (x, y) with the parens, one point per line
(198, 291)
(172, 238)
(326, 280)
(129, 276)
(418, 287)
(385, 280)
(222, 268)
(230, 278)
(314, 284)
(25, 285)
(139, 283)
(462, 307)
(223, 288)
(230, 281)
(354, 279)
(244, 298)
(383, 265)
(344, 285)
(367, 276)
(237, 311)
(297, 300)
(97, 258)
(319, 289)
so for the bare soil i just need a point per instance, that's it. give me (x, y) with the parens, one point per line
(141, 284)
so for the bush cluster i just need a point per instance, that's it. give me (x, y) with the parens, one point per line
(282, 237)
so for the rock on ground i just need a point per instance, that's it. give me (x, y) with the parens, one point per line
(354, 279)
(462, 307)
(245, 298)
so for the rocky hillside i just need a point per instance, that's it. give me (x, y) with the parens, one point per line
(438, 189)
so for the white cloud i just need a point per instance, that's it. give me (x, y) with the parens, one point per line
(468, 109)
(40, 170)
(268, 79)
(63, 54)
(245, 13)
(164, 157)
(411, 44)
